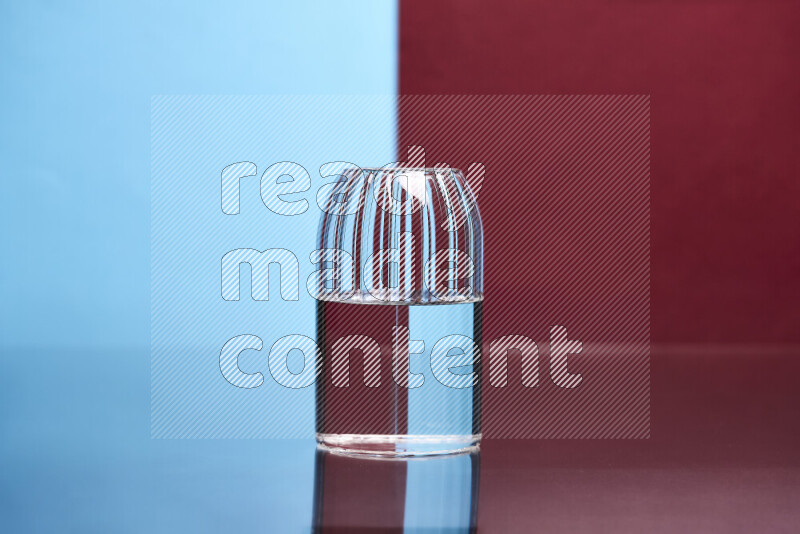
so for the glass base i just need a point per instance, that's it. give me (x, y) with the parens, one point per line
(390, 446)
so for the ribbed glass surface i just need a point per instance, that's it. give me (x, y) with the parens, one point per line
(410, 235)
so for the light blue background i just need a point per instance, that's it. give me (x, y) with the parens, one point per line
(77, 80)
(194, 139)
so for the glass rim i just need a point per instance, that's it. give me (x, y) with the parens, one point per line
(411, 169)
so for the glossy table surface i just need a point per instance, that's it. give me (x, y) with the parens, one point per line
(722, 457)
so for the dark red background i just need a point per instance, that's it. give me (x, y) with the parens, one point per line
(725, 246)
(725, 125)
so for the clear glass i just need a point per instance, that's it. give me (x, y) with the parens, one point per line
(399, 313)
(418, 495)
